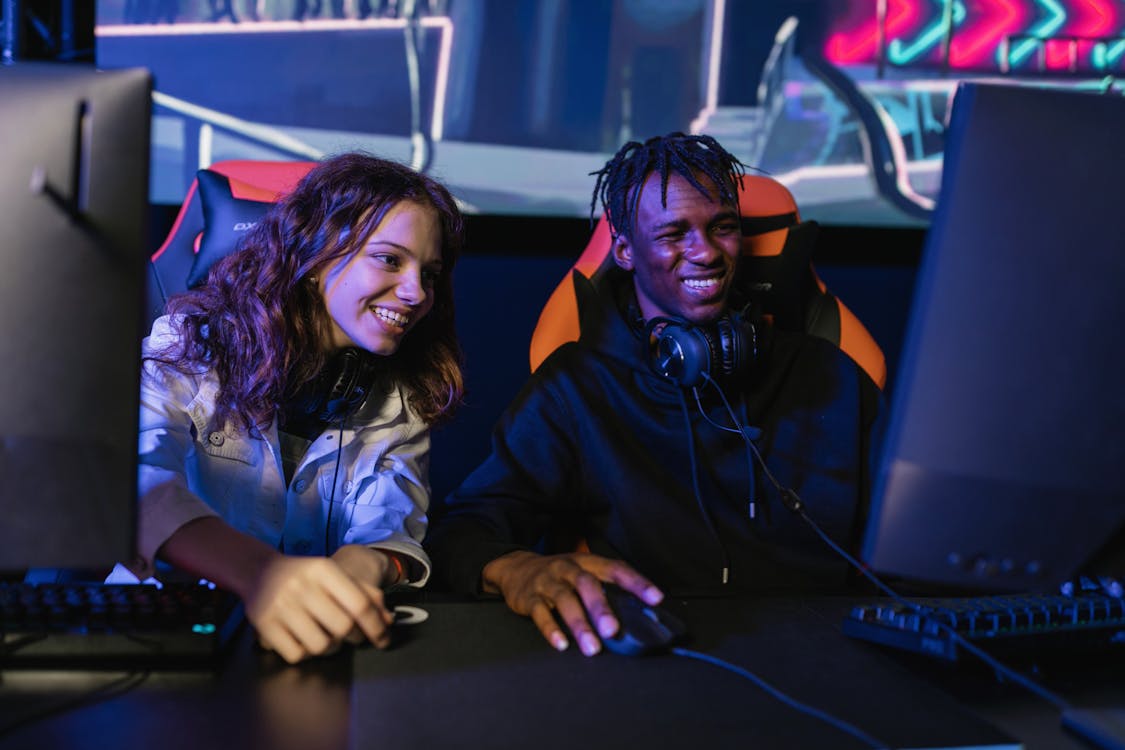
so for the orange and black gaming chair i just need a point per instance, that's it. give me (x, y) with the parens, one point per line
(223, 201)
(776, 267)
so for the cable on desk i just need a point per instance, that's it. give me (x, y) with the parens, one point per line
(111, 689)
(792, 501)
(1056, 700)
(816, 713)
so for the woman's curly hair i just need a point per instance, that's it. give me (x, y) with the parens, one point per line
(261, 323)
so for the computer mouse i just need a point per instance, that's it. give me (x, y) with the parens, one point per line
(644, 628)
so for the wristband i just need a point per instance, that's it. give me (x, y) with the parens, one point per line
(400, 569)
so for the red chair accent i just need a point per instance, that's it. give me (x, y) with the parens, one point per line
(254, 181)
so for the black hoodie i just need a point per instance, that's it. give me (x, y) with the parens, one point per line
(597, 447)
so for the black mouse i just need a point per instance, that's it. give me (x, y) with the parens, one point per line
(644, 628)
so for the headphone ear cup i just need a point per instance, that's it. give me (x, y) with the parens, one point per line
(349, 380)
(688, 354)
(682, 354)
(729, 349)
(738, 344)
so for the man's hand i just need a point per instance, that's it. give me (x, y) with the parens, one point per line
(571, 584)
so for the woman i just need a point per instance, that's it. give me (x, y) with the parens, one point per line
(286, 404)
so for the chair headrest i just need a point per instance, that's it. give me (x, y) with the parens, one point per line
(226, 218)
(769, 216)
(221, 203)
(776, 271)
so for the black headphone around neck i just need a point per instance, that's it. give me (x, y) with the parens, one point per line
(341, 387)
(689, 354)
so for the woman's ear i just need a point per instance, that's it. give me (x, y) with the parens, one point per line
(622, 253)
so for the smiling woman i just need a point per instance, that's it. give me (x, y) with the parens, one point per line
(286, 404)
(378, 294)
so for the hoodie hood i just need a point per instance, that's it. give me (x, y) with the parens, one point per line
(606, 305)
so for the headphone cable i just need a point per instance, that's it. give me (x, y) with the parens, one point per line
(788, 700)
(785, 698)
(332, 494)
(698, 494)
(752, 503)
(792, 501)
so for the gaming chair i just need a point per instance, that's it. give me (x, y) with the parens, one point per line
(776, 271)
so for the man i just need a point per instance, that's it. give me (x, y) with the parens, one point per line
(653, 474)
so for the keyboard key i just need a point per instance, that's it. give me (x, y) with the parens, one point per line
(115, 626)
(1088, 619)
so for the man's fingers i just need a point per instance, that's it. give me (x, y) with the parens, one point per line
(571, 586)
(624, 576)
(573, 613)
(593, 598)
(544, 619)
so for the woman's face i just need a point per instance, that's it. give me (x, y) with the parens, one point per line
(377, 294)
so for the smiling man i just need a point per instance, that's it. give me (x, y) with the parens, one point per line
(634, 438)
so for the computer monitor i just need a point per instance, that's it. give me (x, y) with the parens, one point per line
(74, 168)
(1004, 457)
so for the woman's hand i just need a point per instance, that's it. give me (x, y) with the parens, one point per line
(300, 606)
(308, 606)
(365, 565)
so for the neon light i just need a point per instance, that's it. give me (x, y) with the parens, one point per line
(1099, 21)
(1045, 29)
(982, 26)
(1096, 19)
(1115, 51)
(1106, 21)
(841, 49)
(928, 38)
(1056, 54)
(860, 46)
(974, 43)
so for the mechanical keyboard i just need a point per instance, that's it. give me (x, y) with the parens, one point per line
(115, 626)
(1032, 624)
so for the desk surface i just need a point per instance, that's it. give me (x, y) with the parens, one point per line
(474, 675)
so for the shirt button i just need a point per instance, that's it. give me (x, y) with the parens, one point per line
(347, 486)
(300, 486)
(302, 548)
(216, 438)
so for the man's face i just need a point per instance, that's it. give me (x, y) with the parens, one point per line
(683, 255)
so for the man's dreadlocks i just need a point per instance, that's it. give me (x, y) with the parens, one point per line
(619, 182)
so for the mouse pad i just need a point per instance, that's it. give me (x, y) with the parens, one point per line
(473, 674)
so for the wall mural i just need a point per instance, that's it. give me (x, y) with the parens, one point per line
(514, 102)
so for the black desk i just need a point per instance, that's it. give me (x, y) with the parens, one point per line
(473, 675)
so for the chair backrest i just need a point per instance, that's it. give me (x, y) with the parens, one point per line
(223, 201)
(776, 270)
